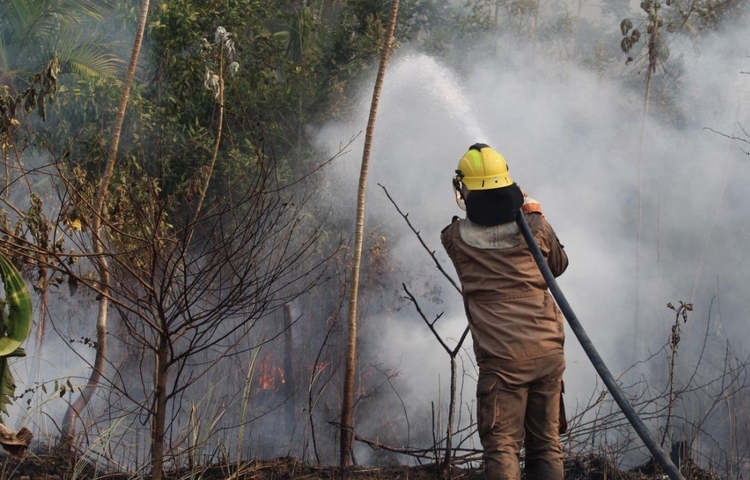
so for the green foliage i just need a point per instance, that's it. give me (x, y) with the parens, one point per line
(7, 383)
(658, 23)
(358, 37)
(34, 98)
(294, 65)
(7, 386)
(427, 23)
(181, 110)
(15, 325)
(680, 16)
(477, 19)
(34, 32)
(43, 42)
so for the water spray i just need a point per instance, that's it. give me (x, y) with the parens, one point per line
(601, 368)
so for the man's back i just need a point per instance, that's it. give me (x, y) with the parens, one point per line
(512, 315)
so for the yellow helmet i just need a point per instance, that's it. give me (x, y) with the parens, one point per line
(482, 168)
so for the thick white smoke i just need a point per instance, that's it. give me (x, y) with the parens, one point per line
(572, 140)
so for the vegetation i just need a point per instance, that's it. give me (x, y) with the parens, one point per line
(164, 194)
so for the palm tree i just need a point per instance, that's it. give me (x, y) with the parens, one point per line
(74, 409)
(40, 39)
(34, 32)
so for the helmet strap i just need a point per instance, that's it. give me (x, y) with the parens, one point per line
(458, 190)
(458, 184)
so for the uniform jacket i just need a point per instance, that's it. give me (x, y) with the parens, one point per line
(511, 314)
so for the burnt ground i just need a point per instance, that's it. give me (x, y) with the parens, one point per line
(51, 465)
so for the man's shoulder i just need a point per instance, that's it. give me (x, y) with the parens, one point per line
(453, 222)
(535, 218)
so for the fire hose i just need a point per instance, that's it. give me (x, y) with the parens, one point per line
(601, 368)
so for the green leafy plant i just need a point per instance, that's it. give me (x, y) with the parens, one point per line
(16, 323)
(15, 326)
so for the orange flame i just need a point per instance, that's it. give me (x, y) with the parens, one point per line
(270, 375)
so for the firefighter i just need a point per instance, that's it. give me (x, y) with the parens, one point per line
(516, 327)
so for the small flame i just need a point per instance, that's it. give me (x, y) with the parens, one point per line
(270, 375)
(272, 378)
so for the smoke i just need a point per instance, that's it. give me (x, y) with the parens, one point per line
(572, 139)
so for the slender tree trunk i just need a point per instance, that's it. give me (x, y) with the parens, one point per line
(451, 417)
(161, 369)
(533, 32)
(717, 209)
(578, 28)
(217, 143)
(4, 145)
(97, 233)
(160, 406)
(653, 55)
(289, 378)
(41, 321)
(347, 429)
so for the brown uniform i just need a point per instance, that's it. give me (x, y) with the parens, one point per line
(518, 336)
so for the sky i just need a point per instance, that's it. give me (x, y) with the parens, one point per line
(572, 141)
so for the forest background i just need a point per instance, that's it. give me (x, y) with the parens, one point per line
(189, 269)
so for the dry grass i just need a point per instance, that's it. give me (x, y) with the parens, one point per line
(51, 465)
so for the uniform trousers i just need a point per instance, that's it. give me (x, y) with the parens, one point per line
(519, 405)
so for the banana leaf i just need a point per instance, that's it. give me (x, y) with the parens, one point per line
(17, 325)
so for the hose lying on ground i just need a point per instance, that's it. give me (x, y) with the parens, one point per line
(596, 359)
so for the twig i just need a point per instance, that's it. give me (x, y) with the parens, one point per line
(419, 237)
(429, 324)
(414, 452)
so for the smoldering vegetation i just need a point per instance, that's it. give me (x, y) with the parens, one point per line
(651, 210)
(575, 140)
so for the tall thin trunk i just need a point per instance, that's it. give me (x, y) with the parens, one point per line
(578, 28)
(347, 429)
(653, 56)
(717, 209)
(533, 32)
(159, 421)
(4, 146)
(290, 383)
(161, 369)
(97, 233)
(451, 418)
(41, 316)
(217, 143)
